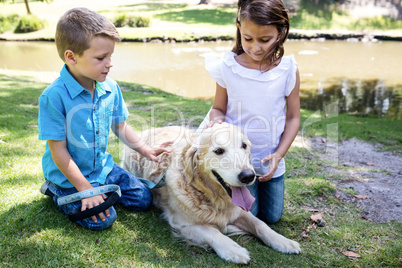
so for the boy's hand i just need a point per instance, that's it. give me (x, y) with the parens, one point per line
(94, 201)
(274, 160)
(152, 153)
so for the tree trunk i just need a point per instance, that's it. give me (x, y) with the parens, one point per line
(27, 6)
(204, 2)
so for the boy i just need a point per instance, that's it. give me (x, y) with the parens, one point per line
(76, 113)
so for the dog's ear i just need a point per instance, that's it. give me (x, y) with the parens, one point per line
(191, 162)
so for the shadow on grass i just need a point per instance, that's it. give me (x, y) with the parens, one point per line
(153, 6)
(19, 104)
(18, 116)
(219, 17)
(39, 229)
(145, 7)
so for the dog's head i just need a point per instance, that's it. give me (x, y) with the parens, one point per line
(223, 153)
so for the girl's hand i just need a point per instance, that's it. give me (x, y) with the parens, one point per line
(152, 153)
(94, 201)
(213, 122)
(274, 160)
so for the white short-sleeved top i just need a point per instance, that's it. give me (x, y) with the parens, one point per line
(256, 102)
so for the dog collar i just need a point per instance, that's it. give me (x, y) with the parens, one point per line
(224, 185)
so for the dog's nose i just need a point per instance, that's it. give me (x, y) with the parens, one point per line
(246, 176)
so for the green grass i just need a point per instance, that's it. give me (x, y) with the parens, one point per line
(386, 131)
(35, 234)
(336, 21)
(8, 23)
(217, 16)
(184, 22)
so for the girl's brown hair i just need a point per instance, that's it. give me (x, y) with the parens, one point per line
(264, 12)
(78, 26)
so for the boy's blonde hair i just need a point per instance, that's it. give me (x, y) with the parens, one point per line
(78, 26)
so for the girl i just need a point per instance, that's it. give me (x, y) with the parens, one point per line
(254, 84)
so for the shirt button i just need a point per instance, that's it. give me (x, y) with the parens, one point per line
(97, 132)
(97, 154)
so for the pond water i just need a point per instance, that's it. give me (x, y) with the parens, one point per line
(364, 77)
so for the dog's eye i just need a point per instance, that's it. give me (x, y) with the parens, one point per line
(244, 146)
(219, 151)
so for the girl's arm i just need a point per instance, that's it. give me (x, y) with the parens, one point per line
(218, 111)
(65, 163)
(128, 136)
(291, 128)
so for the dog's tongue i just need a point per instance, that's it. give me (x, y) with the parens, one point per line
(241, 197)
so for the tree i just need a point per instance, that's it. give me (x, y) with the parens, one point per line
(27, 6)
(204, 2)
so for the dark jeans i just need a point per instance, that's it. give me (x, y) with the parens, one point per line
(269, 198)
(134, 195)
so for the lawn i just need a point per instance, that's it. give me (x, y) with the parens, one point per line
(185, 21)
(35, 234)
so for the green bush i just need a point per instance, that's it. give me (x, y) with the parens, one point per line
(142, 21)
(30, 23)
(131, 21)
(8, 23)
(120, 21)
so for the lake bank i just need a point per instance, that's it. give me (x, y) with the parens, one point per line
(225, 33)
(364, 77)
(186, 21)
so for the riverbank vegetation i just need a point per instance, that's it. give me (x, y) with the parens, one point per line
(188, 21)
(8, 23)
(29, 23)
(35, 234)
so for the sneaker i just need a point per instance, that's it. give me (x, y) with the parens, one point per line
(45, 189)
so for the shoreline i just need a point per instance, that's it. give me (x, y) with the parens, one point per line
(293, 35)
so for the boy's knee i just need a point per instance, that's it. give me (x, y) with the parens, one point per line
(145, 201)
(139, 200)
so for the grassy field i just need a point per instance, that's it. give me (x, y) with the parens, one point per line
(35, 234)
(185, 21)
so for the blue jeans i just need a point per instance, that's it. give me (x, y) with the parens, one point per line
(269, 198)
(134, 195)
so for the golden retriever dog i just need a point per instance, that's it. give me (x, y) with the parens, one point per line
(205, 196)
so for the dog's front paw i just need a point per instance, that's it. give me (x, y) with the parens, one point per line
(288, 246)
(234, 253)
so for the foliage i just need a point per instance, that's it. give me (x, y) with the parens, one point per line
(326, 15)
(24, 1)
(139, 21)
(8, 23)
(379, 22)
(334, 20)
(29, 23)
(120, 21)
(188, 22)
(131, 21)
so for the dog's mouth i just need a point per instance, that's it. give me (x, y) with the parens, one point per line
(240, 196)
(223, 183)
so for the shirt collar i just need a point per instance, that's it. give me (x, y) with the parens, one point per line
(75, 89)
(101, 88)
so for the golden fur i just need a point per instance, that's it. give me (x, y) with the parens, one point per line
(194, 203)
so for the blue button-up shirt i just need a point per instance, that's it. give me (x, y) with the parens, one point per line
(67, 112)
